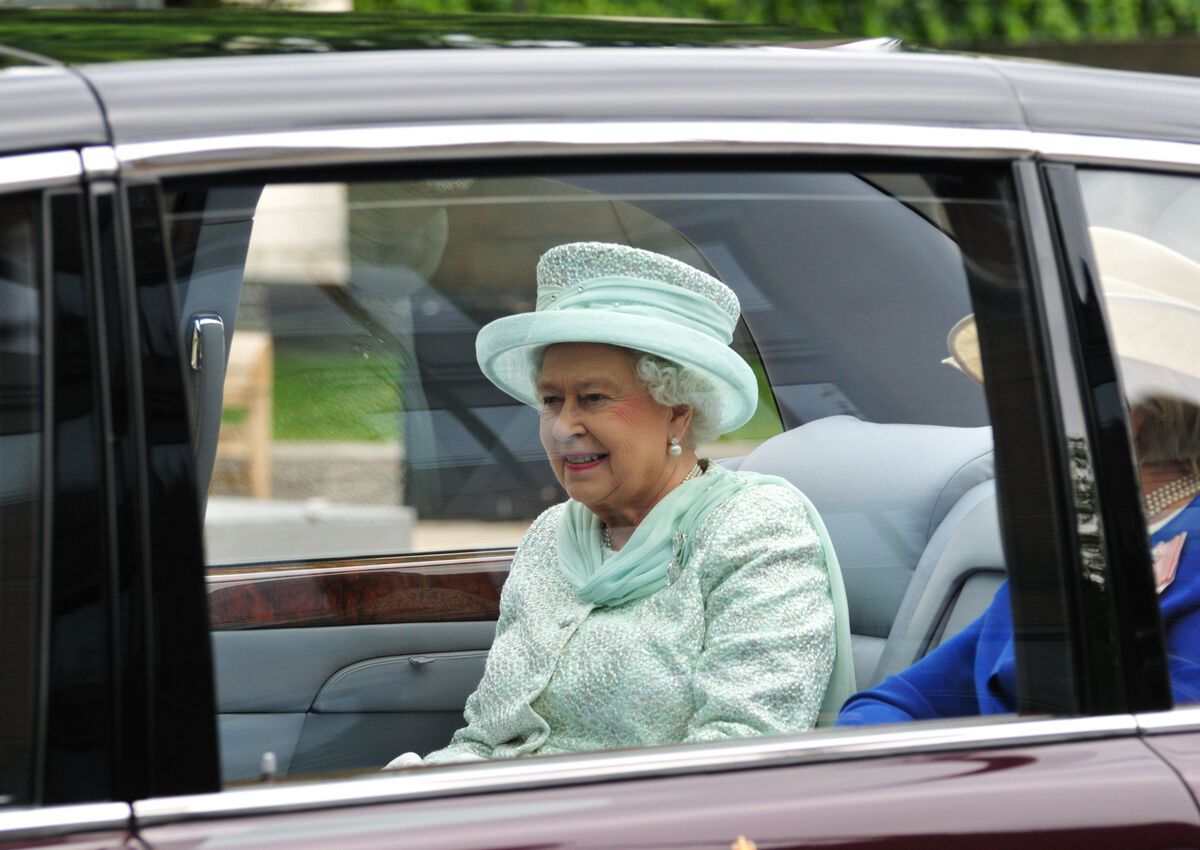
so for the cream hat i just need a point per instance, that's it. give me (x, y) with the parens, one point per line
(1152, 295)
(619, 295)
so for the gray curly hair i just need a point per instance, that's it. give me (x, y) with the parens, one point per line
(1170, 431)
(672, 384)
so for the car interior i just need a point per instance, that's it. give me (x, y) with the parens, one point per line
(849, 282)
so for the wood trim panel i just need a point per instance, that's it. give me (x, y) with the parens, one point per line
(369, 591)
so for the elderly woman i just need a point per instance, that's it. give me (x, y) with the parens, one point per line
(669, 599)
(975, 671)
(1149, 294)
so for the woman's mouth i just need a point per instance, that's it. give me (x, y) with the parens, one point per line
(582, 462)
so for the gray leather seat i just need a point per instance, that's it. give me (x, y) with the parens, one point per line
(912, 513)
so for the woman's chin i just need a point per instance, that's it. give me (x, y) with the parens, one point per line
(581, 489)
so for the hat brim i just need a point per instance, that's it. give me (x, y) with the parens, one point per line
(1158, 344)
(509, 350)
(1157, 340)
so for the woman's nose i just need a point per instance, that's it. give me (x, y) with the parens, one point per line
(567, 424)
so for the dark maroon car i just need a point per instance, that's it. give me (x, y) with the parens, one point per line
(257, 502)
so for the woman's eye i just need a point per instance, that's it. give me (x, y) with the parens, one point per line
(549, 400)
(592, 398)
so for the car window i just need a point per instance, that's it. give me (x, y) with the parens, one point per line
(21, 296)
(368, 479)
(351, 378)
(1147, 246)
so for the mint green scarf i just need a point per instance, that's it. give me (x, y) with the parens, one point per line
(640, 568)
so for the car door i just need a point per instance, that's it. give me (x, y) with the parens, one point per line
(88, 446)
(337, 666)
(60, 760)
(1106, 213)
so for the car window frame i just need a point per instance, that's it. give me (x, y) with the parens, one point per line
(1116, 592)
(465, 148)
(89, 317)
(68, 299)
(32, 177)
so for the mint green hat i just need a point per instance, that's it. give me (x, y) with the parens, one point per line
(618, 295)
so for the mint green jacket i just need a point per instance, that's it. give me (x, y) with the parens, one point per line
(740, 642)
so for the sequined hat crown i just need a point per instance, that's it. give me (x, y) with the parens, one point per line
(618, 295)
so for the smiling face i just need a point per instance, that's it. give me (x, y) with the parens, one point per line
(606, 438)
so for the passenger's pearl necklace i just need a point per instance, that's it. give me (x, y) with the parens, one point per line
(606, 538)
(1159, 500)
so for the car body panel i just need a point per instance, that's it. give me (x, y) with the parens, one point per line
(309, 92)
(1063, 99)
(931, 800)
(98, 826)
(1182, 751)
(47, 108)
(294, 93)
(117, 840)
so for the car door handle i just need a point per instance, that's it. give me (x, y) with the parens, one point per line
(208, 381)
(420, 660)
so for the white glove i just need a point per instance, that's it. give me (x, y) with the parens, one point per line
(462, 758)
(404, 760)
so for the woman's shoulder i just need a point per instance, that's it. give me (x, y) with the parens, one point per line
(758, 490)
(544, 528)
(761, 504)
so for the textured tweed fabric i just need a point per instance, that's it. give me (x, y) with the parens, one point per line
(740, 642)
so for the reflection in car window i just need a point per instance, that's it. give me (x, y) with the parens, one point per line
(1147, 245)
(20, 489)
(359, 439)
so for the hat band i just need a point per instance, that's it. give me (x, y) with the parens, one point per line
(638, 296)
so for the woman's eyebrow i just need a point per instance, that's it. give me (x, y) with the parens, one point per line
(600, 384)
(585, 386)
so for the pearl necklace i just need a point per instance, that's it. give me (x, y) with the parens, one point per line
(606, 537)
(1159, 500)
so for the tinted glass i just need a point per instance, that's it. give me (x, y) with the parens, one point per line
(1147, 245)
(20, 488)
(352, 376)
(366, 471)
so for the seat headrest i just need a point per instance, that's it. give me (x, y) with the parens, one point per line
(882, 490)
(845, 464)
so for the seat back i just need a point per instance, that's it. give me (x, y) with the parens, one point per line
(911, 512)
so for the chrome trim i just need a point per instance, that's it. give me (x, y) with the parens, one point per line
(1116, 150)
(197, 349)
(39, 170)
(823, 745)
(100, 161)
(1177, 720)
(453, 141)
(50, 821)
(208, 155)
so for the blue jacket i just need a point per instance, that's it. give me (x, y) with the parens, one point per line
(973, 673)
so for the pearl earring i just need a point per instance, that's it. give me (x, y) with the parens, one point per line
(676, 450)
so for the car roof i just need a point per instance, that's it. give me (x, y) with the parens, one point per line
(48, 104)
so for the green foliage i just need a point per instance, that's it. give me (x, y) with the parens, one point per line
(80, 37)
(208, 28)
(334, 397)
(766, 421)
(928, 22)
